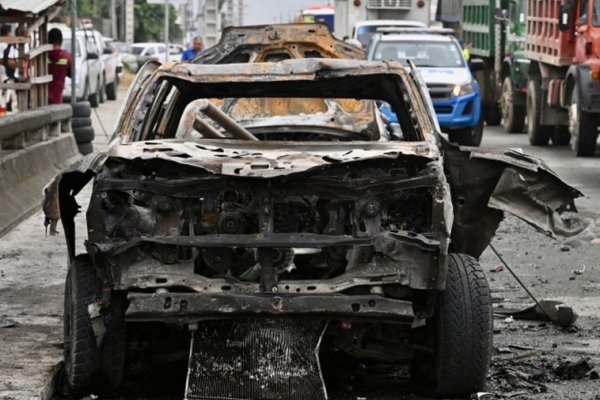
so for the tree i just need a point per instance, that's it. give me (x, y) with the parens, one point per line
(149, 20)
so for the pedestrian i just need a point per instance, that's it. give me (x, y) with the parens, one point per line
(193, 51)
(59, 66)
(8, 68)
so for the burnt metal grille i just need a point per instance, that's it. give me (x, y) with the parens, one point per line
(256, 359)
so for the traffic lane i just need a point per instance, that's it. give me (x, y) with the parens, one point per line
(582, 173)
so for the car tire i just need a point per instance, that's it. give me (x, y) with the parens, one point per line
(82, 109)
(460, 332)
(81, 353)
(111, 90)
(101, 90)
(539, 135)
(513, 116)
(467, 136)
(84, 134)
(85, 148)
(80, 122)
(94, 100)
(561, 136)
(582, 126)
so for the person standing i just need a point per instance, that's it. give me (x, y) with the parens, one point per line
(193, 51)
(8, 69)
(59, 66)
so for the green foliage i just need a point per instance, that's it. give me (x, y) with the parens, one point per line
(149, 20)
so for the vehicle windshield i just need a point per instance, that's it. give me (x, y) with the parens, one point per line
(137, 50)
(422, 53)
(67, 46)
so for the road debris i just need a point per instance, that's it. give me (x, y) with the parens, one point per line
(7, 323)
(544, 310)
(579, 271)
(576, 370)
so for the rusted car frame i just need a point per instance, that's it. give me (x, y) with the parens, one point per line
(362, 230)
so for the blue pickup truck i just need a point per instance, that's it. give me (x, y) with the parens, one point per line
(454, 93)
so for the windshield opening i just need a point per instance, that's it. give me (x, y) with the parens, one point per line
(422, 53)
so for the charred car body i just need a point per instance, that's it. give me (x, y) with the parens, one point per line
(268, 212)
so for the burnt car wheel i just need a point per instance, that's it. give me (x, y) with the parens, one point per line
(88, 366)
(82, 356)
(460, 333)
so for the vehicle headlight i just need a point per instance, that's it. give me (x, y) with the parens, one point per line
(464, 89)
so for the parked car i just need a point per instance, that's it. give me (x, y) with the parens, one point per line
(454, 92)
(145, 52)
(112, 62)
(88, 67)
(175, 52)
(252, 214)
(126, 57)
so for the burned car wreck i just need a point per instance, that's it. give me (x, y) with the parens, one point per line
(198, 214)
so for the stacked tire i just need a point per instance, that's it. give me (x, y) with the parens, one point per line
(81, 124)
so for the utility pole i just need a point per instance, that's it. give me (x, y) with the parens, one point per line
(113, 19)
(73, 52)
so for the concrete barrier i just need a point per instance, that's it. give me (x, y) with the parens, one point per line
(32, 150)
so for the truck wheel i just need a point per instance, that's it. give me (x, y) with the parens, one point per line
(493, 114)
(460, 333)
(582, 127)
(82, 356)
(539, 135)
(111, 90)
(561, 136)
(513, 116)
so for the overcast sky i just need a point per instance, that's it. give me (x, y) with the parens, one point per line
(258, 12)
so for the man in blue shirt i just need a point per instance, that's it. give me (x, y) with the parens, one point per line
(194, 50)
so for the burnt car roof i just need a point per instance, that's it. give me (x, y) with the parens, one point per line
(325, 78)
(258, 43)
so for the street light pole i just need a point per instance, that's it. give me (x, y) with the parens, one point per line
(166, 30)
(74, 53)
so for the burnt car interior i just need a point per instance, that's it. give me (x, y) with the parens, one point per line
(272, 99)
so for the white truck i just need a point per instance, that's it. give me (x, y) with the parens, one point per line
(351, 13)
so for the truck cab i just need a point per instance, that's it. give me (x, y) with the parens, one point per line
(454, 92)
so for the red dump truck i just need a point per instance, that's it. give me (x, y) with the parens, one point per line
(563, 97)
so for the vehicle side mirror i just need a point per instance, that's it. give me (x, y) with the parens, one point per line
(476, 64)
(107, 50)
(93, 56)
(564, 16)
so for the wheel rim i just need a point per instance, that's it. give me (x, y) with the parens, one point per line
(506, 102)
(574, 122)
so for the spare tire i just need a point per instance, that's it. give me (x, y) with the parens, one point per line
(85, 148)
(84, 134)
(82, 109)
(79, 122)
